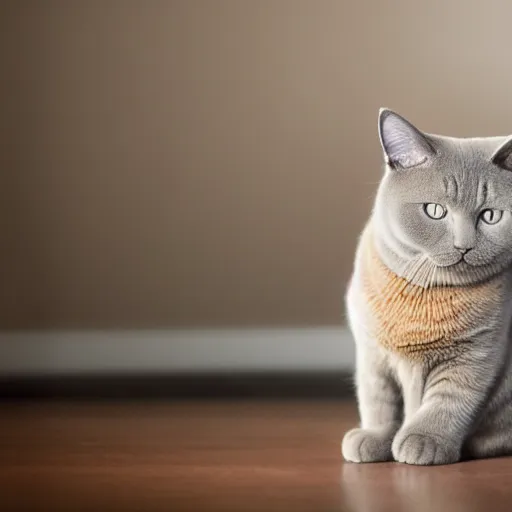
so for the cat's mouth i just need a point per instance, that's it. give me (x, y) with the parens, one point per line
(449, 262)
(460, 262)
(462, 259)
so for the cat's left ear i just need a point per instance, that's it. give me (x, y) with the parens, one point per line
(503, 155)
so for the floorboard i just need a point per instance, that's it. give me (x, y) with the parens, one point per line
(218, 456)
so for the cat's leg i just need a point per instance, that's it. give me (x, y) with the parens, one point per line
(454, 394)
(497, 443)
(380, 408)
(493, 437)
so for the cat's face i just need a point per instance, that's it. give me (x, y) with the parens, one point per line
(443, 210)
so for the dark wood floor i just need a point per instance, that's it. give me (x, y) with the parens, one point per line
(222, 456)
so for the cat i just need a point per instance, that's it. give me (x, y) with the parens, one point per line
(430, 301)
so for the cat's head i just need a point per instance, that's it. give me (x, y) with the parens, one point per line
(443, 213)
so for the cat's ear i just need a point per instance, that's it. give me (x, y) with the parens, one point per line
(503, 155)
(404, 145)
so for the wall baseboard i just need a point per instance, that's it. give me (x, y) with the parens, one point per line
(176, 352)
(240, 386)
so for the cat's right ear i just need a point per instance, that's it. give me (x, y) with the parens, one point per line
(503, 155)
(404, 145)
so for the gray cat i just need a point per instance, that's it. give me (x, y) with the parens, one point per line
(430, 302)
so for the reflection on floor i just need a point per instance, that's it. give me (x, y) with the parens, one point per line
(222, 456)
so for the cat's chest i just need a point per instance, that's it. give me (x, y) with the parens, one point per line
(413, 321)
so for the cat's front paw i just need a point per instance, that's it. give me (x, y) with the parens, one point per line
(423, 449)
(360, 445)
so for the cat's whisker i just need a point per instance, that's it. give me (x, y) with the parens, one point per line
(413, 276)
(411, 268)
(427, 275)
(434, 276)
(443, 276)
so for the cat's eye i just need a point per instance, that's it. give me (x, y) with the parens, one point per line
(434, 210)
(491, 216)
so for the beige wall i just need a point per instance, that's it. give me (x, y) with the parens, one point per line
(208, 163)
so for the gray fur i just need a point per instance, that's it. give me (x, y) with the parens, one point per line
(455, 402)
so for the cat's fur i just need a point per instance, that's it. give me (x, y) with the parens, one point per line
(430, 302)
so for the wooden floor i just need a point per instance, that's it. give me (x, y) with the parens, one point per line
(222, 456)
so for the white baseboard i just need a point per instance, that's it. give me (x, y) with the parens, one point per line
(175, 351)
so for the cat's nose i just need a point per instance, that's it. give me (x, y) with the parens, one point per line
(463, 250)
